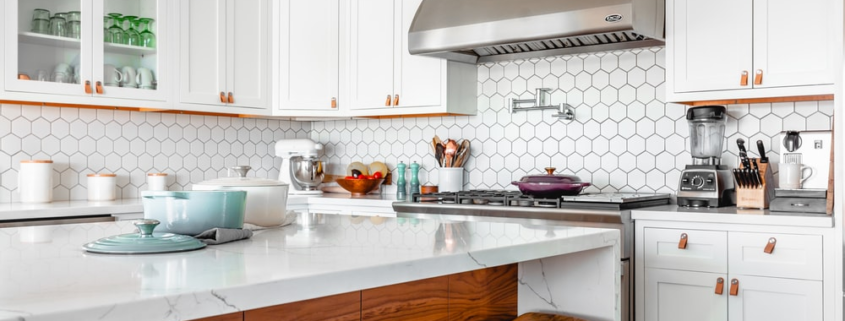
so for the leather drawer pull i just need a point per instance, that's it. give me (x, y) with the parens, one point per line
(743, 80)
(231, 98)
(334, 102)
(99, 87)
(720, 286)
(770, 245)
(387, 102)
(222, 97)
(758, 77)
(682, 244)
(734, 287)
(396, 100)
(88, 87)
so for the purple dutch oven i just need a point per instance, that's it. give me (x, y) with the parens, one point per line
(550, 185)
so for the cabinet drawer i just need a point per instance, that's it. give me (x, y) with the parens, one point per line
(706, 251)
(793, 256)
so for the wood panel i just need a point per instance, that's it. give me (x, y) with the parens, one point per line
(545, 317)
(488, 294)
(237, 316)
(341, 307)
(419, 300)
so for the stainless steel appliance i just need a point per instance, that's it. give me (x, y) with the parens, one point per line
(477, 31)
(811, 148)
(603, 210)
(301, 165)
(706, 182)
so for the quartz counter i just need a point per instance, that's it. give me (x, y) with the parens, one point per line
(56, 280)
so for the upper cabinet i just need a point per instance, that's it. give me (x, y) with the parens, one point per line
(385, 80)
(224, 55)
(728, 49)
(307, 63)
(101, 52)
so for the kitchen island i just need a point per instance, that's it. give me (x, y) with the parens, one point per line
(55, 280)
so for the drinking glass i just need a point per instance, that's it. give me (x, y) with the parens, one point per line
(115, 30)
(148, 38)
(74, 26)
(58, 26)
(41, 26)
(42, 14)
(131, 35)
(107, 22)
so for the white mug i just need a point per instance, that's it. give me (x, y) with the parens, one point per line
(145, 78)
(792, 175)
(41, 75)
(128, 77)
(111, 76)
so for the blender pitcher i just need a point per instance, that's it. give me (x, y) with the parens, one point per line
(707, 134)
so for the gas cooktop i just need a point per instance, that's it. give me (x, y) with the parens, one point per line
(602, 201)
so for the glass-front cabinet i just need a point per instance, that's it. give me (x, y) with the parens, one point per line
(98, 48)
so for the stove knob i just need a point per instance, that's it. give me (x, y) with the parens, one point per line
(697, 181)
(709, 181)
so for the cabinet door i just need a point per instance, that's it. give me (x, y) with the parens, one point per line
(672, 295)
(248, 52)
(117, 65)
(783, 62)
(711, 44)
(39, 62)
(309, 54)
(202, 56)
(765, 299)
(419, 79)
(371, 53)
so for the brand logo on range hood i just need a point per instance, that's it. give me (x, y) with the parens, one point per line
(613, 18)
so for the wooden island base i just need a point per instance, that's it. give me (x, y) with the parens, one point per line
(487, 294)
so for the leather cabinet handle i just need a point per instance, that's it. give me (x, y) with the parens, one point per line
(770, 245)
(743, 80)
(734, 287)
(99, 86)
(88, 89)
(396, 100)
(720, 286)
(682, 243)
(334, 102)
(231, 98)
(758, 77)
(222, 97)
(387, 102)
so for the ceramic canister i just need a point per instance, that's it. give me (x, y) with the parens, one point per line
(102, 187)
(35, 181)
(157, 181)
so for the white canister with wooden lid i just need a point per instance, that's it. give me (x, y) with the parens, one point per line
(102, 187)
(35, 181)
(157, 181)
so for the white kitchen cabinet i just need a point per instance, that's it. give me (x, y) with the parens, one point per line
(692, 279)
(73, 70)
(385, 80)
(751, 48)
(224, 55)
(308, 59)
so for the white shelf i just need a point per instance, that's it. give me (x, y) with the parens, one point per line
(54, 41)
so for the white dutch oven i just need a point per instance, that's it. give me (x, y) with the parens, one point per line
(266, 199)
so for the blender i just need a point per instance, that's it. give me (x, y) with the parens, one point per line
(706, 182)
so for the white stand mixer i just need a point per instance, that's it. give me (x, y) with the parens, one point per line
(301, 165)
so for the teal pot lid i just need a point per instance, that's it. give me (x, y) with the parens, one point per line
(145, 242)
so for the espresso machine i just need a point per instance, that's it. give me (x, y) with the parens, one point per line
(706, 182)
(301, 165)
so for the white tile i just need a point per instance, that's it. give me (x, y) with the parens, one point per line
(105, 146)
(535, 146)
(30, 145)
(583, 146)
(592, 129)
(592, 162)
(645, 127)
(600, 79)
(574, 66)
(664, 127)
(675, 144)
(609, 95)
(21, 127)
(655, 75)
(600, 145)
(583, 81)
(645, 93)
(636, 77)
(636, 179)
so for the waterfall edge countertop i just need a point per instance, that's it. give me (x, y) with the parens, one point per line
(57, 280)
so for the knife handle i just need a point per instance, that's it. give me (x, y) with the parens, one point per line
(762, 151)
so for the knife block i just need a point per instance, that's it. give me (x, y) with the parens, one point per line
(759, 197)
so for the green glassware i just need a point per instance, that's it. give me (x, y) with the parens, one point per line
(106, 24)
(115, 30)
(148, 38)
(131, 35)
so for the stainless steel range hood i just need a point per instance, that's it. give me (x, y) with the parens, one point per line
(477, 31)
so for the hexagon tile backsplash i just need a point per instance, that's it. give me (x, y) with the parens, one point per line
(624, 136)
(131, 144)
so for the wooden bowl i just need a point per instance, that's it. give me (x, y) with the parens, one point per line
(359, 187)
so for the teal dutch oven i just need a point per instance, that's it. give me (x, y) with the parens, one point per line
(193, 212)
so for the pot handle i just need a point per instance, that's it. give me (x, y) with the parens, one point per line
(172, 194)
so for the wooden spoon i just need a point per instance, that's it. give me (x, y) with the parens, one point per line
(449, 152)
(438, 154)
(463, 154)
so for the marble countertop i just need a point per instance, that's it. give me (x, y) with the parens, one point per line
(731, 215)
(327, 203)
(56, 280)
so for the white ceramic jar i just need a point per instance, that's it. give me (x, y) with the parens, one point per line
(102, 187)
(157, 181)
(35, 181)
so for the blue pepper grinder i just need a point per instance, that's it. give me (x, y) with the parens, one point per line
(400, 181)
(415, 178)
